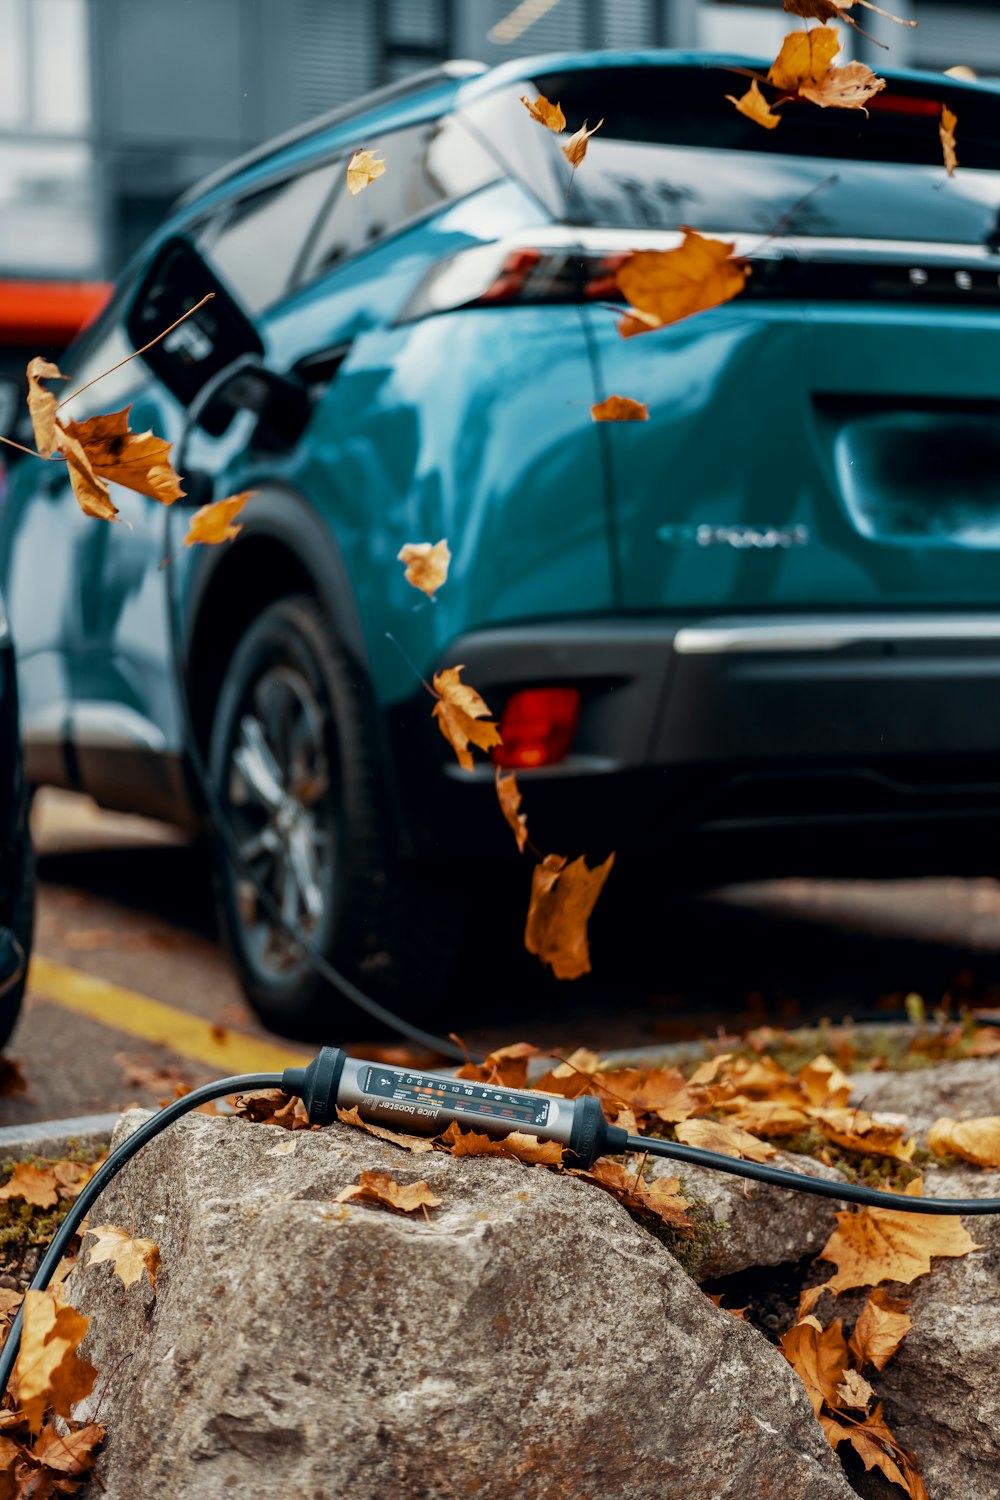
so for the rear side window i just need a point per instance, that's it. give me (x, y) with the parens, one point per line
(426, 166)
(673, 151)
(256, 244)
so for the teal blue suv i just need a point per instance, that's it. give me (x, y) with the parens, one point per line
(756, 634)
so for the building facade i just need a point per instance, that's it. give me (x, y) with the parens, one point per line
(111, 108)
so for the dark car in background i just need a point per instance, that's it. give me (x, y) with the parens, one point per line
(17, 877)
(756, 634)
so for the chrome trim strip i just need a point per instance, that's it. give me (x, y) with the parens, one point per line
(828, 635)
(114, 726)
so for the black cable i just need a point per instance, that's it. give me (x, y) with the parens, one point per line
(104, 1174)
(846, 1192)
(220, 823)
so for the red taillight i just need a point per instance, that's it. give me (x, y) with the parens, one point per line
(904, 104)
(538, 725)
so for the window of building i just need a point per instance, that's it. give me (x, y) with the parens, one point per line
(44, 66)
(47, 214)
(415, 35)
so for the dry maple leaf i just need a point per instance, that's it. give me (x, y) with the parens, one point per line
(823, 1083)
(767, 1117)
(880, 1329)
(379, 1187)
(562, 899)
(128, 1254)
(506, 1066)
(854, 1391)
(213, 523)
(664, 286)
(728, 1140)
(462, 716)
(72, 1177)
(413, 1143)
(545, 113)
(509, 797)
(818, 1356)
(659, 1198)
(42, 404)
(137, 460)
(68, 1452)
(620, 409)
(804, 68)
(91, 491)
(426, 565)
(849, 87)
(836, 10)
(524, 1148)
(975, 1141)
(879, 1244)
(49, 1373)
(36, 1185)
(877, 1448)
(575, 148)
(273, 1107)
(755, 107)
(946, 129)
(362, 170)
(855, 1130)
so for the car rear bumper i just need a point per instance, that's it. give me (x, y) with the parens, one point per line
(752, 745)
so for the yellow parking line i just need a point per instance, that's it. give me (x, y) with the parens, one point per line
(138, 1015)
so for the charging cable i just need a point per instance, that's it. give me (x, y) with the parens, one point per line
(426, 1104)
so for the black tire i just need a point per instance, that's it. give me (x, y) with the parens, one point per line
(373, 922)
(20, 919)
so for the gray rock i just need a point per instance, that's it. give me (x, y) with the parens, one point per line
(963, 1090)
(527, 1339)
(743, 1224)
(941, 1390)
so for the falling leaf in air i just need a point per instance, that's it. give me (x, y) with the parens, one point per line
(525, 1148)
(877, 1448)
(413, 1143)
(545, 113)
(728, 1140)
(836, 10)
(562, 899)
(128, 1254)
(620, 409)
(138, 460)
(48, 1371)
(803, 68)
(818, 1356)
(35, 1185)
(509, 797)
(880, 1329)
(664, 286)
(362, 169)
(426, 565)
(975, 1141)
(379, 1187)
(42, 404)
(214, 523)
(92, 493)
(575, 148)
(947, 125)
(71, 1452)
(755, 107)
(462, 716)
(880, 1244)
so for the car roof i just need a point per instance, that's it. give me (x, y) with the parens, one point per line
(436, 91)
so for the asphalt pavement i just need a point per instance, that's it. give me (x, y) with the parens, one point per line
(131, 994)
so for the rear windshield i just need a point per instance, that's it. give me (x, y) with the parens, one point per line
(673, 151)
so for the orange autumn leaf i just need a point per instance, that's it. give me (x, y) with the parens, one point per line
(728, 1140)
(880, 1329)
(507, 1066)
(35, 1185)
(426, 565)
(879, 1244)
(755, 107)
(138, 460)
(849, 87)
(660, 1198)
(975, 1141)
(664, 286)
(49, 1372)
(562, 899)
(620, 409)
(42, 404)
(509, 797)
(855, 1130)
(877, 1448)
(273, 1107)
(946, 129)
(854, 1391)
(767, 1117)
(545, 113)
(462, 716)
(362, 170)
(91, 491)
(521, 1147)
(413, 1143)
(213, 523)
(804, 68)
(128, 1255)
(575, 148)
(818, 1356)
(836, 10)
(70, 1453)
(379, 1187)
(823, 1083)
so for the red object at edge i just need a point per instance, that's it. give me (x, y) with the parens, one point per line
(48, 312)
